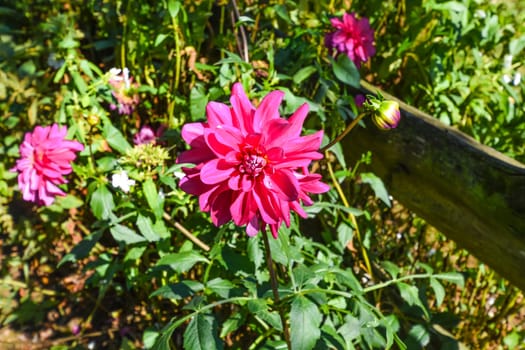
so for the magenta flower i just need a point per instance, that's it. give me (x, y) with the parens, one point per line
(124, 91)
(45, 158)
(147, 135)
(251, 164)
(353, 37)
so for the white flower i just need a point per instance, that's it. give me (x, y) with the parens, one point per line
(122, 181)
(517, 79)
(507, 61)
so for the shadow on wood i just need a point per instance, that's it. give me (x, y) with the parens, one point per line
(470, 192)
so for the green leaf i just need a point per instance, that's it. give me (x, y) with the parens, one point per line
(232, 323)
(346, 71)
(178, 290)
(124, 234)
(173, 8)
(69, 202)
(344, 235)
(418, 337)
(152, 197)
(182, 262)
(198, 102)
(114, 138)
(303, 73)
(200, 335)
(454, 277)
(350, 330)
(149, 337)
(391, 268)
(411, 295)
(439, 291)
(82, 249)
(220, 286)
(146, 228)
(305, 322)
(102, 202)
(259, 308)
(377, 185)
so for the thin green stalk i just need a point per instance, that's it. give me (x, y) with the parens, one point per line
(352, 219)
(273, 282)
(343, 134)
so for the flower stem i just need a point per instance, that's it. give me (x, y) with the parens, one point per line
(353, 220)
(343, 134)
(273, 282)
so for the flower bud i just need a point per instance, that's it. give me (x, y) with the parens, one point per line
(387, 116)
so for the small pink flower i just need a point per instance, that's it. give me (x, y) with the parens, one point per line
(124, 91)
(359, 100)
(147, 135)
(45, 158)
(353, 37)
(251, 164)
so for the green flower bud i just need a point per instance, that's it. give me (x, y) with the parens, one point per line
(387, 116)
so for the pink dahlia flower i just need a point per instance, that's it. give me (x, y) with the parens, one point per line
(124, 90)
(45, 158)
(251, 164)
(353, 37)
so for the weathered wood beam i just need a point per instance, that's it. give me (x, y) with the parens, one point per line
(470, 192)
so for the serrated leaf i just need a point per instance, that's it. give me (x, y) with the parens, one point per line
(101, 202)
(181, 262)
(346, 71)
(439, 291)
(82, 249)
(220, 286)
(126, 235)
(377, 186)
(146, 228)
(305, 322)
(454, 277)
(391, 268)
(259, 308)
(232, 323)
(178, 291)
(199, 334)
(411, 295)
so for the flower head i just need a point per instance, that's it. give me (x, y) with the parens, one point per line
(353, 37)
(124, 90)
(45, 158)
(147, 135)
(122, 181)
(251, 164)
(384, 113)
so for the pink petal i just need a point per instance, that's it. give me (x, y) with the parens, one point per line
(285, 184)
(267, 110)
(218, 114)
(216, 171)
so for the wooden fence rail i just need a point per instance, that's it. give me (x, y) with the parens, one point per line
(470, 192)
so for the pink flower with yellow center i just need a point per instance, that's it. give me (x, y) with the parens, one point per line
(45, 158)
(251, 164)
(353, 37)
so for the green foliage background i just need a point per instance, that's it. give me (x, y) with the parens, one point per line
(94, 253)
